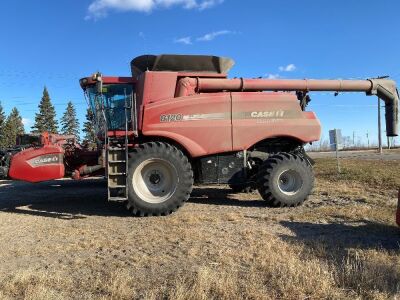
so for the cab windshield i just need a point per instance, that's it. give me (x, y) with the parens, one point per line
(114, 99)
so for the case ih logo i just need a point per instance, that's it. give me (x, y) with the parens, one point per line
(268, 114)
(48, 159)
(171, 118)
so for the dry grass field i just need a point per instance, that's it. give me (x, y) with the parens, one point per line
(62, 240)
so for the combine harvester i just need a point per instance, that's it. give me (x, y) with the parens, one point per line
(179, 120)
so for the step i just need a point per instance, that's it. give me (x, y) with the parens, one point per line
(116, 161)
(117, 187)
(116, 149)
(117, 174)
(118, 198)
(116, 142)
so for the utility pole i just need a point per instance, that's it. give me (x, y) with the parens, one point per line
(367, 140)
(337, 151)
(354, 134)
(379, 127)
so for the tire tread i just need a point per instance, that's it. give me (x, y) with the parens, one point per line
(266, 172)
(183, 191)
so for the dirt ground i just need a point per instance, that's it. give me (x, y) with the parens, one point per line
(63, 240)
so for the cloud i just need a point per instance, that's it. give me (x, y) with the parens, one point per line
(212, 35)
(208, 4)
(187, 40)
(272, 76)
(288, 68)
(27, 122)
(100, 8)
(184, 40)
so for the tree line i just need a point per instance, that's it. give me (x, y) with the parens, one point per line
(46, 121)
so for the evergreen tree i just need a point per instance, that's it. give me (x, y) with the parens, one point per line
(2, 127)
(13, 127)
(88, 128)
(45, 119)
(69, 121)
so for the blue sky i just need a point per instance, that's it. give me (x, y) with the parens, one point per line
(54, 43)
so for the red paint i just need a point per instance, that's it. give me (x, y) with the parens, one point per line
(199, 137)
(160, 93)
(200, 75)
(156, 86)
(237, 130)
(293, 123)
(23, 164)
(240, 84)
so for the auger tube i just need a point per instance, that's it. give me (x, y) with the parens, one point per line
(385, 89)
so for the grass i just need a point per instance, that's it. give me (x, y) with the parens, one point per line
(343, 244)
(270, 269)
(371, 174)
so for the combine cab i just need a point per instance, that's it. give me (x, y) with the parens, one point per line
(179, 120)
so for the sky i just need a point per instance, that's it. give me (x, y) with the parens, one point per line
(54, 43)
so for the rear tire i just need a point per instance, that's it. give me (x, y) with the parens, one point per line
(160, 179)
(285, 179)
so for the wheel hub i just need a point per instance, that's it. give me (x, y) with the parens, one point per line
(155, 180)
(290, 182)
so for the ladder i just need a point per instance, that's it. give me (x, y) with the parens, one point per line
(117, 151)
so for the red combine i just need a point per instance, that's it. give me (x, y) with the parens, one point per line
(179, 120)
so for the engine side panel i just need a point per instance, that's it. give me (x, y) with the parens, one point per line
(212, 123)
(220, 168)
(258, 115)
(38, 164)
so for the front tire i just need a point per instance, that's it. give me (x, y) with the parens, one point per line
(285, 179)
(160, 179)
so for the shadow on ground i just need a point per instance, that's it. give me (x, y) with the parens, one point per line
(218, 196)
(68, 199)
(341, 236)
(65, 199)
